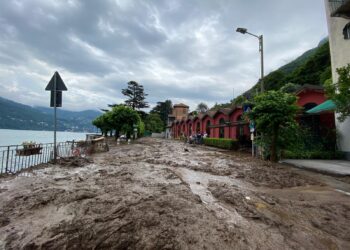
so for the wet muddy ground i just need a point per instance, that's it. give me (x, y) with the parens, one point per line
(159, 194)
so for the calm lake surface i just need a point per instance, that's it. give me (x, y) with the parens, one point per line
(16, 137)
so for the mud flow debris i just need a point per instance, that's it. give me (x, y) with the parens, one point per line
(155, 194)
(73, 161)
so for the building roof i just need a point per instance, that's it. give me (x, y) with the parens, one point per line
(309, 87)
(181, 105)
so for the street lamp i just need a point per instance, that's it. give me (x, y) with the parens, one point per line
(261, 49)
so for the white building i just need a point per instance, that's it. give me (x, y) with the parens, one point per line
(338, 19)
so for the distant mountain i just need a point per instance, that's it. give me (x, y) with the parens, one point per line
(293, 65)
(14, 115)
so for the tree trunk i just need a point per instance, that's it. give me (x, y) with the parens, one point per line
(116, 134)
(273, 157)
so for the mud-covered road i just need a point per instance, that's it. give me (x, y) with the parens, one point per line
(159, 194)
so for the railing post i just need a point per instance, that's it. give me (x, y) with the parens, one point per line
(7, 158)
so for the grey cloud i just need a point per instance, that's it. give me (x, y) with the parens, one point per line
(185, 50)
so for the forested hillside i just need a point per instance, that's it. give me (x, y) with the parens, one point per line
(19, 116)
(312, 67)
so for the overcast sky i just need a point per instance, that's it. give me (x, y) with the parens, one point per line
(183, 50)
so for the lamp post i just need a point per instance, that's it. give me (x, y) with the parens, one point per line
(261, 49)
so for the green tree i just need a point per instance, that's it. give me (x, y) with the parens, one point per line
(163, 109)
(274, 80)
(340, 92)
(112, 106)
(274, 114)
(141, 128)
(202, 107)
(102, 122)
(290, 87)
(154, 123)
(122, 120)
(136, 95)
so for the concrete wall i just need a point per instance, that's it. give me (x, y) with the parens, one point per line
(158, 135)
(344, 136)
(340, 56)
(310, 96)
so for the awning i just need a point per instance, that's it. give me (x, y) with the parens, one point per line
(328, 105)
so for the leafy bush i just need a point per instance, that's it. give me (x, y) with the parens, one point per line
(313, 154)
(339, 92)
(221, 143)
(140, 128)
(307, 145)
(154, 123)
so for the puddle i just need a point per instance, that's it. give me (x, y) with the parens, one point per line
(199, 181)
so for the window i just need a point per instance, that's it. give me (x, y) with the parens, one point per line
(346, 32)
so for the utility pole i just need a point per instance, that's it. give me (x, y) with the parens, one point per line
(261, 49)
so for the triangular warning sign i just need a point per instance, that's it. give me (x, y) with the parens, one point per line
(60, 86)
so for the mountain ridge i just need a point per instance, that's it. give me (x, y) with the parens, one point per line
(14, 115)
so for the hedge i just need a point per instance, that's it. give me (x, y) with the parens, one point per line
(313, 155)
(221, 143)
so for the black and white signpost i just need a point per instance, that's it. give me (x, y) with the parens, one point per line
(56, 86)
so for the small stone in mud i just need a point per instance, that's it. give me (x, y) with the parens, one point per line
(240, 175)
(198, 183)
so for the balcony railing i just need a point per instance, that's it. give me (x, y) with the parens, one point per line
(340, 8)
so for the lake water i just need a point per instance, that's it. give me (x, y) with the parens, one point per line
(16, 137)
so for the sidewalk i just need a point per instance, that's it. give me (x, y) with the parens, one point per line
(332, 167)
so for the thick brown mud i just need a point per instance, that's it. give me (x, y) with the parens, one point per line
(154, 194)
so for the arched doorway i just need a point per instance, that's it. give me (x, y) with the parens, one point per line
(222, 128)
(312, 122)
(189, 129)
(207, 128)
(198, 129)
(240, 128)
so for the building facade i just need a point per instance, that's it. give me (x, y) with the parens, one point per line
(338, 20)
(230, 123)
(222, 123)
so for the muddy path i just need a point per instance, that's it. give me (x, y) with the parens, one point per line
(158, 194)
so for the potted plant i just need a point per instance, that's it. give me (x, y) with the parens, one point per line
(29, 148)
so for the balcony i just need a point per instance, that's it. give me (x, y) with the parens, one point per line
(340, 8)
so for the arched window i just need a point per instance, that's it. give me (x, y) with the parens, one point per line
(222, 128)
(346, 31)
(207, 128)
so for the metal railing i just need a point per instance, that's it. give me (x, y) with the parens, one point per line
(14, 158)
